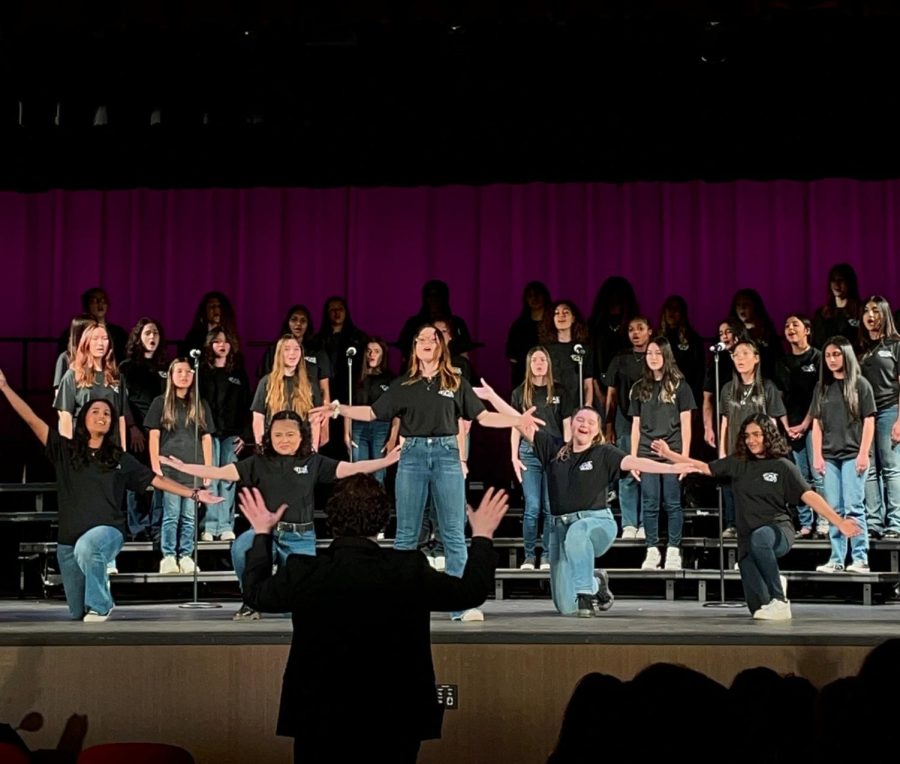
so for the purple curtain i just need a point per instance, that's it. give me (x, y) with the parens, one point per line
(156, 252)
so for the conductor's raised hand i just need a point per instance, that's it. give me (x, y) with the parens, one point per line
(490, 512)
(253, 507)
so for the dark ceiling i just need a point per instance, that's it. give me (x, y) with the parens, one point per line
(396, 93)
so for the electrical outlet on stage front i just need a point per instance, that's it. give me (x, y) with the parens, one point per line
(448, 696)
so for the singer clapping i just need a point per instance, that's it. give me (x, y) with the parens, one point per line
(430, 400)
(564, 334)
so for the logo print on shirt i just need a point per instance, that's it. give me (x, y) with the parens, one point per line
(881, 354)
(234, 380)
(555, 399)
(304, 470)
(810, 368)
(446, 393)
(310, 359)
(586, 467)
(384, 388)
(770, 477)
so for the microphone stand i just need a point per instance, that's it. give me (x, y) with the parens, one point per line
(716, 350)
(578, 357)
(195, 604)
(350, 394)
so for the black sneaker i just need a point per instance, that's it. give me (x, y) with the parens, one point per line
(585, 606)
(246, 614)
(604, 596)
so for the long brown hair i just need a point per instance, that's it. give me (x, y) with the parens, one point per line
(528, 385)
(83, 365)
(301, 396)
(671, 376)
(449, 378)
(169, 418)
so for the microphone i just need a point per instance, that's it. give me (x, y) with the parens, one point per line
(194, 353)
(718, 347)
(579, 350)
(351, 351)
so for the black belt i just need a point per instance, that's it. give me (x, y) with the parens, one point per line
(294, 527)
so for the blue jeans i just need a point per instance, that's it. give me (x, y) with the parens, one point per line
(432, 464)
(728, 511)
(665, 490)
(83, 569)
(576, 541)
(759, 569)
(139, 520)
(883, 482)
(845, 491)
(284, 544)
(177, 535)
(803, 459)
(629, 488)
(220, 517)
(370, 438)
(537, 500)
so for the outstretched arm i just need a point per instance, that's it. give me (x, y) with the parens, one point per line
(846, 525)
(662, 448)
(346, 469)
(38, 426)
(336, 409)
(506, 415)
(170, 486)
(640, 464)
(228, 472)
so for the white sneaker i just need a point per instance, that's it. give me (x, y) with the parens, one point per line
(858, 566)
(776, 610)
(830, 567)
(629, 532)
(651, 561)
(430, 560)
(472, 614)
(440, 562)
(545, 566)
(640, 533)
(380, 536)
(528, 564)
(111, 569)
(168, 565)
(673, 558)
(186, 565)
(92, 616)
(206, 536)
(227, 536)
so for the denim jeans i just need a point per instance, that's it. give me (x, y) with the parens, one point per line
(284, 544)
(144, 511)
(883, 482)
(629, 488)
(220, 517)
(845, 491)
(177, 534)
(803, 458)
(759, 569)
(728, 512)
(537, 501)
(370, 438)
(83, 570)
(430, 535)
(432, 464)
(665, 490)
(576, 541)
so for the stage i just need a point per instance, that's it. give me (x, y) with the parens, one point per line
(201, 680)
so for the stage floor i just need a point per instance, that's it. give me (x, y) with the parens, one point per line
(516, 622)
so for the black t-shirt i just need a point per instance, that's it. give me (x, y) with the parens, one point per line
(689, 356)
(288, 480)
(61, 367)
(372, 388)
(582, 480)
(626, 369)
(228, 394)
(738, 404)
(796, 376)
(726, 371)
(425, 410)
(92, 495)
(763, 489)
(881, 366)
(839, 323)
(841, 436)
(565, 370)
(550, 411)
(179, 441)
(660, 419)
(143, 384)
(70, 398)
(262, 390)
(523, 335)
